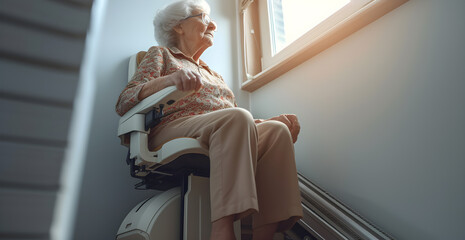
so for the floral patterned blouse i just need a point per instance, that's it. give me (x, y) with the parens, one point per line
(162, 61)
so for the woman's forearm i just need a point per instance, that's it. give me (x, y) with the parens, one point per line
(154, 86)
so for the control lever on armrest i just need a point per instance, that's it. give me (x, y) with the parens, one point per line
(153, 117)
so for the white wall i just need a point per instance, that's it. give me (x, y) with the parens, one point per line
(382, 115)
(107, 193)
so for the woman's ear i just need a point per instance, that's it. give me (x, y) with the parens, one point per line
(178, 29)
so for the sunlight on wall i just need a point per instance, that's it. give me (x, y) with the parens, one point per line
(73, 167)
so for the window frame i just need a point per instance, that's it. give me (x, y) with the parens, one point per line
(270, 59)
(323, 36)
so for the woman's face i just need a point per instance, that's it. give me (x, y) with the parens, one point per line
(196, 32)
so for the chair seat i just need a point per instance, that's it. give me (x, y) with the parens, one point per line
(171, 174)
(176, 158)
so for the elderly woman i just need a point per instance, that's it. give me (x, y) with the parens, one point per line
(252, 162)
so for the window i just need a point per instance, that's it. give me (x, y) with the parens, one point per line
(280, 34)
(290, 19)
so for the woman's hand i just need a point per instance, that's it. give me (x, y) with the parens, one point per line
(186, 80)
(291, 122)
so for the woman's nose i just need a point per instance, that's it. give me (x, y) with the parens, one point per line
(212, 25)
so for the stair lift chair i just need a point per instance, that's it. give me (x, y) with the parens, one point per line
(180, 168)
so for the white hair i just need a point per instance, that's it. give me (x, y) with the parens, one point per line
(167, 18)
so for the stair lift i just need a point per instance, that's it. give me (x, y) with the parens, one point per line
(180, 168)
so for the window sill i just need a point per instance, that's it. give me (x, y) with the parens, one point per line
(365, 16)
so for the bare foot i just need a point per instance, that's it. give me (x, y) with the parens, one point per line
(265, 232)
(223, 229)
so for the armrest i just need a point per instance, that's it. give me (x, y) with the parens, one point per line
(133, 122)
(134, 119)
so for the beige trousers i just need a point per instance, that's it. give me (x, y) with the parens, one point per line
(252, 166)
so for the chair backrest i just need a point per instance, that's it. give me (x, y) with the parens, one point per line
(134, 62)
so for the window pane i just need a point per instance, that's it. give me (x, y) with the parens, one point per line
(290, 19)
